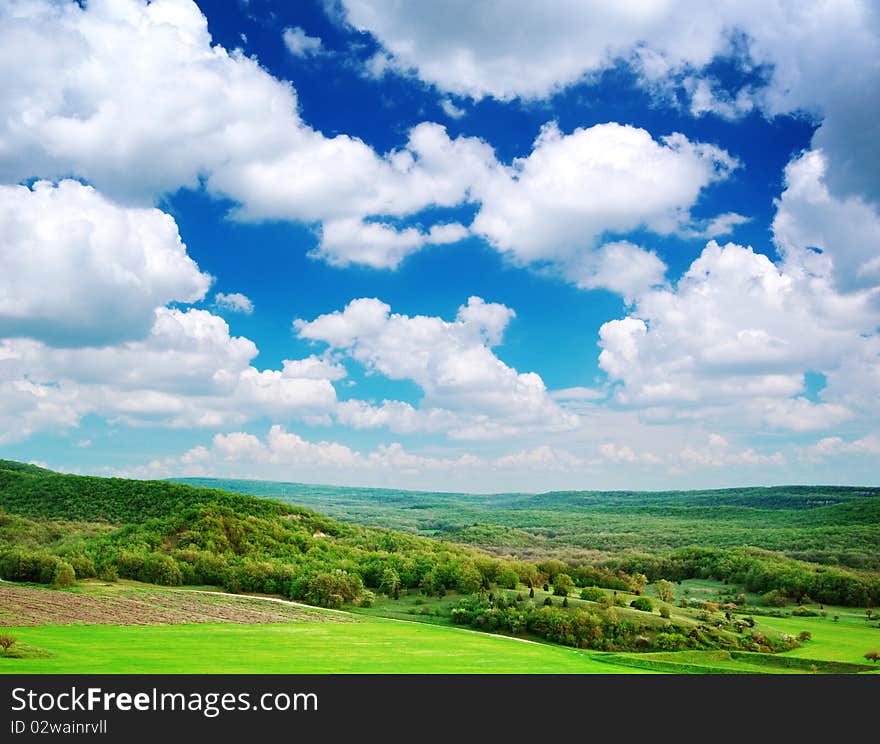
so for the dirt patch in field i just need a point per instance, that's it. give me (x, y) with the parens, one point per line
(21, 606)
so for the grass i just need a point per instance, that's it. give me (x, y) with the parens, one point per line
(371, 646)
(846, 640)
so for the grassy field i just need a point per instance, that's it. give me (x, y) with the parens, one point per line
(260, 636)
(845, 640)
(372, 646)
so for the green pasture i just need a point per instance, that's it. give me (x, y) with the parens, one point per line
(368, 646)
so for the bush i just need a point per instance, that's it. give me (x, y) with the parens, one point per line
(508, 579)
(774, 598)
(562, 585)
(548, 602)
(64, 575)
(367, 599)
(805, 635)
(592, 593)
(108, 572)
(642, 603)
(664, 611)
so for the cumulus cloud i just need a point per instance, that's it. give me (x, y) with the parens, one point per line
(802, 57)
(451, 361)
(286, 452)
(622, 267)
(300, 44)
(836, 446)
(519, 49)
(78, 268)
(608, 178)
(234, 302)
(732, 332)
(626, 454)
(349, 241)
(822, 234)
(187, 372)
(135, 99)
(169, 110)
(717, 452)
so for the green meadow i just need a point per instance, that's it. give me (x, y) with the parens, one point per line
(370, 646)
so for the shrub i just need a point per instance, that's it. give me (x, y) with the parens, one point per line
(804, 612)
(774, 598)
(108, 572)
(508, 579)
(64, 575)
(873, 655)
(805, 635)
(367, 599)
(592, 593)
(562, 585)
(6, 642)
(664, 611)
(548, 602)
(642, 603)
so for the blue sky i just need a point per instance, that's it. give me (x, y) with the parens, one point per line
(473, 247)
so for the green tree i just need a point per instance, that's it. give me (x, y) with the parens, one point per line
(390, 584)
(563, 585)
(665, 590)
(592, 593)
(508, 578)
(469, 578)
(64, 575)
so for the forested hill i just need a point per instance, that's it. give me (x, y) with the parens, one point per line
(56, 528)
(43, 494)
(835, 525)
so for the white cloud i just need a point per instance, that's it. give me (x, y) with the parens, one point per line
(845, 230)
(836, 446)
(715, 227)
(718, 453)
(544, 457)
(622, 267)
(80, 269)
(234, 302)
(577, 393)
(287, 453)
(188, 372)
(349, 241)
(512, 49)
(452, 362)
(626, 454)
(731, 334)
(451, 110)
(133, 98)
(807, 57)
(555, 204)
(300, 44)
